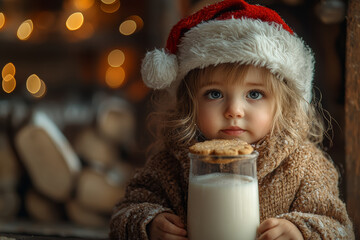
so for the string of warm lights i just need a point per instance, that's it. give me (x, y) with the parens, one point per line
(34, 84)
(79, 23)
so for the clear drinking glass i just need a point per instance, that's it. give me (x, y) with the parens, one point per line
(223, 197)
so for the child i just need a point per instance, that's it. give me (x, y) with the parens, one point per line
(235, 70)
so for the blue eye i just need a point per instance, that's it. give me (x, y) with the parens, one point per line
(213, 94)
(255, 95)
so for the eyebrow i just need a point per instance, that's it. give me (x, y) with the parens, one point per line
(254, 84)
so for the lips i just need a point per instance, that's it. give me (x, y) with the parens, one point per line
(233, 131)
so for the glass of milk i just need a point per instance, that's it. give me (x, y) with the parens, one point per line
(223, 197)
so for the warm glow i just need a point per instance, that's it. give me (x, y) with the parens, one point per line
(25, 29)
(33, 84)
(8, 83)
(128, 27)
(44, 19)
(115, 77)
(41, 91)
(75, 21)
(8, 69)
(83, 4)
(116, 58)
(86, 31)
(110, 8)
(2, 20)
(138, 20)
(137, 91)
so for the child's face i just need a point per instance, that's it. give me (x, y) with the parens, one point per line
(244, 109)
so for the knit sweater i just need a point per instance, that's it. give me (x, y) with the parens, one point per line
(296, 182)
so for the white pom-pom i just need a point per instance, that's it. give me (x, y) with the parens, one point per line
(159, 69)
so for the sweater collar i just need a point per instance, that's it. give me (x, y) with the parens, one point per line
(273, 150)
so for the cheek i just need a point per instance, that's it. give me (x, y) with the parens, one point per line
(264, 120)
(205, 118)
(202, 115)
(260, 116)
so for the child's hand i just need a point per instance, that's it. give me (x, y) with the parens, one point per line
(274, 228)
(166, 226)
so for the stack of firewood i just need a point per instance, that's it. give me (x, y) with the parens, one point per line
(79, 180)
(9, 180)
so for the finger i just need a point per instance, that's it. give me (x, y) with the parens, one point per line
(166, 226)
(161, 235)
(175, 220)
(169, 236)
(282, 237)
(267, 225)
(273, 233)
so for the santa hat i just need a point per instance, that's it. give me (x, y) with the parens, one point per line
(231, 31)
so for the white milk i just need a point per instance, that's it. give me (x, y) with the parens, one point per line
(223, 206)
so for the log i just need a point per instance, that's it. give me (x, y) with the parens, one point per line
(9, 167)
(98, 191)
(116, 122)
(95, 150)
(83, 216)
(42, 208)
(9, 204)
(352, 114)
(48, 158)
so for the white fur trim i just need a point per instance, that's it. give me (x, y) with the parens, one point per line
(248, 41)
(159, 69)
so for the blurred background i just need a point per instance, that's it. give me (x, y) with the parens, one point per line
(73, 106)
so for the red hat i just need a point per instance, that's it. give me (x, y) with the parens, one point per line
(231, 31)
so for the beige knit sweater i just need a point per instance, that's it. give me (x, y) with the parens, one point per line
(296, 182)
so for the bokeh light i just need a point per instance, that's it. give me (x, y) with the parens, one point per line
(110, 8)
(33, 83)
(8, 83)
(75, 21)
(8, 69)
(127, 27)
(42, 90)
(2, 20)
(25, 29)
(116, 58)
(115, 77)
(108, 1)
(138, 20)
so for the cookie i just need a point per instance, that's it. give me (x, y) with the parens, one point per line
(222, 147)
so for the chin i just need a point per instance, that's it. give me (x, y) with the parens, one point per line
(236, 137)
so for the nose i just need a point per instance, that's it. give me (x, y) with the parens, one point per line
(235, 109)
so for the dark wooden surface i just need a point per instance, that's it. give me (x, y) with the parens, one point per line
(26, 230)
(12, 236)
(352, 114)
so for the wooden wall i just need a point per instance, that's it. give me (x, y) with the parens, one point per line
(352, 113)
